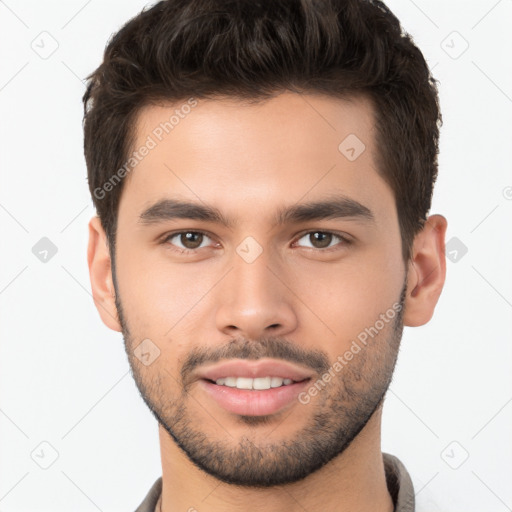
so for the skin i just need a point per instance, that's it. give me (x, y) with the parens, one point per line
(249, 161)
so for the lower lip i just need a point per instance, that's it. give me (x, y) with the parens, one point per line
(253, 402)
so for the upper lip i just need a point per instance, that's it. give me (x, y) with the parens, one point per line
(254, 369)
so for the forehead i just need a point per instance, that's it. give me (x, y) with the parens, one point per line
(294, 118)
(290, 147)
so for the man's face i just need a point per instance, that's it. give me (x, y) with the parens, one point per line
(266, 287)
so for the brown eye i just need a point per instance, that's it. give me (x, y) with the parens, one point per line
(191, 240)
(187, 240)
(322, 240)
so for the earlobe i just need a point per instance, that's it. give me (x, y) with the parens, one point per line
(100, 273)
(426, 272)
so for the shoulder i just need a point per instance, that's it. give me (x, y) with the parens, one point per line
(151, 499)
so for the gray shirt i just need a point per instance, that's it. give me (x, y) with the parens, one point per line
(397, 478)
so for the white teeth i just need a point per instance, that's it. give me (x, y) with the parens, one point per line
(244, 383)
(276, 382)
(230, 381)
(257, 383)
(261, 383)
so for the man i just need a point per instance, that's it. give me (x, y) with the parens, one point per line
(262, 173)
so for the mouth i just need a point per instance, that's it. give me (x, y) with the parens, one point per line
(258, 383)
(254, 388)
(260, 396)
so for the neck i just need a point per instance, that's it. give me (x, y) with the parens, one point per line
(354, 481)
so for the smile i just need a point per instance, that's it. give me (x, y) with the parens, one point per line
(258, 383)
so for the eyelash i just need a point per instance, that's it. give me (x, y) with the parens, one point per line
(344, 240)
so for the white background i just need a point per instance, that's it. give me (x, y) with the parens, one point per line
(64, 376)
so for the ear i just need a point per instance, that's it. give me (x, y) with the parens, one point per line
(426, 272)
(100, 273)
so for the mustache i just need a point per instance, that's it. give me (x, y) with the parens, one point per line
(240, 348)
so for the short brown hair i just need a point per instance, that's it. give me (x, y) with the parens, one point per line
(251, 49)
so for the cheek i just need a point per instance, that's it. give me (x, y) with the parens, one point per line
(159, 298)
(345, 299)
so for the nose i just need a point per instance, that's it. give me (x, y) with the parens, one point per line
(254, 300)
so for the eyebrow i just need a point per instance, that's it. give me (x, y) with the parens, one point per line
(334, 208)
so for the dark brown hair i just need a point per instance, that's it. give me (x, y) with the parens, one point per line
(252, 50)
